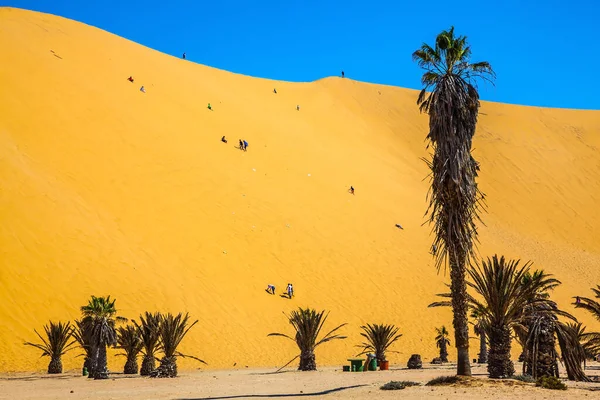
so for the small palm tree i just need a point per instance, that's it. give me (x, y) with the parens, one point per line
(451, 99)
(100, 315)
(149, 332)
(129, 340)
(82, 332)
(308, 324)
(442, 342)
(505, 291)
(479, 328)
(172, 331)
(379, 338)
(592, 339)
(55, 344)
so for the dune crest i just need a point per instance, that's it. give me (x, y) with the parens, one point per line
(108, 190)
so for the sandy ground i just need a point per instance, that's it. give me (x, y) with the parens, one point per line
(108, 190)
(328, 383)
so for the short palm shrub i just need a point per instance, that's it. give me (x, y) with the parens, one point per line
(57, 341)
(82, 332)
(173, 329)
(379, 338)
(307, 324)
(129, 340)
(149, 331)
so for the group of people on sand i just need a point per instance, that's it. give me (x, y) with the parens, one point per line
(242, 143)
(289, 290)
(142, 89)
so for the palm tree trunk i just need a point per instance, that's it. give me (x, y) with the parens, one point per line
(543, 350)
(307, 361)
(166, 369)
(55, 366)
(443, 351)
(458, 289)
(101, 370)
(131, 366)
(499, 363)
(148, 365)
(93, 361)
(380, 356)
(483, 354)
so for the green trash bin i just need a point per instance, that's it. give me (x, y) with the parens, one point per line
(373, 365)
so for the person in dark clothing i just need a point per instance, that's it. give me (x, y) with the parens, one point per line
(241, 144)
(342, 74)
(130, 79)
(223, 139)
(351, 190)
(245, 145)
(183, 56)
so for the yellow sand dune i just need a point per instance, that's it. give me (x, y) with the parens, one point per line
(107, 190)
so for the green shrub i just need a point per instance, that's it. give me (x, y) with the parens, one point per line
(398, 385)
(551, 382)
(523, 378)
(443, 380)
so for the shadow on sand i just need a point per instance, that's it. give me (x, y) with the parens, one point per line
(267, 396)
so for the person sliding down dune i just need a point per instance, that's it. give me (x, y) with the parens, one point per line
(130, 79)
(351, 190)
(142, 90)
(223, 139)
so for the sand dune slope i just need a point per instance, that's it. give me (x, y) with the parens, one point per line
(107, 190)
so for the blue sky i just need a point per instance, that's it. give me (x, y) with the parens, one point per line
(533, 45)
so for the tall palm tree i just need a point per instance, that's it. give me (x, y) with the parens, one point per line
(149, 331)
(592, 339)
(100, 315)
(82, 332)
(442, 342)
(129, 340)
(379, 338)
(307, 324)
(55, 344)
(502, 297)
(451, 99)
(172, 331)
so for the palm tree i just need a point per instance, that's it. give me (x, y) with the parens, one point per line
(442, 342)
(500, 286)
(55, 344)
(129, 340)
(172, 331)
(308, 324)
(379, 338)
(149, 332)
(454, 198)
(479, 328)
(544, 330)
(572, 350)
(100, 315)
(592, 339)
(82, 332)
